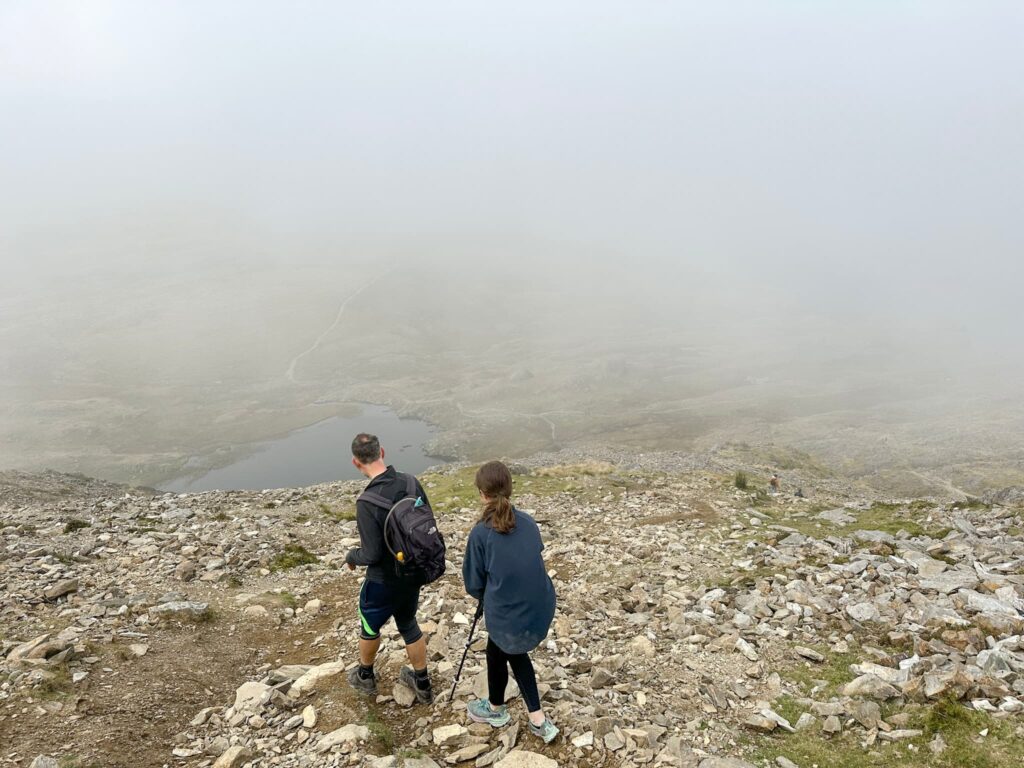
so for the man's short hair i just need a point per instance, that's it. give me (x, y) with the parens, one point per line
(366, 448)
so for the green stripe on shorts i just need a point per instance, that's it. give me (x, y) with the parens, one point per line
(366, 626)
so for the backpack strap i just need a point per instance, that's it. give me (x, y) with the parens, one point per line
(410, 486)
(376, 499)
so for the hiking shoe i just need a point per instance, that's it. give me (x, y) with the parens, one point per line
(367, 685)
(480, 712)
(546, 731)
(407, 677)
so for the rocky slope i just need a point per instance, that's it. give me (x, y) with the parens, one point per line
(699, 624)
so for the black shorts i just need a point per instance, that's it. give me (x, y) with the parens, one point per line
(378, 602)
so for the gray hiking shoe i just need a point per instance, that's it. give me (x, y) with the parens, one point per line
(546, 731)
(367, 685)
(407, 677)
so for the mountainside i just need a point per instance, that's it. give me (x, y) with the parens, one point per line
(699, 624)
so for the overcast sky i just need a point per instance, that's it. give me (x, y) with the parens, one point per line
(863, 155)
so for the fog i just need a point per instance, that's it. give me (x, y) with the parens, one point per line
(819, 197)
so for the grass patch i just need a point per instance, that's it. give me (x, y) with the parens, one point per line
(959, 727)
(284, 598)
(220, 517)
(740, 480)
(381, 734)
(586, 469)
(970, 504)
(789, 708)
(409, 754)
(822, 680)
(450, 491)
(57, 685)
(898, 520)
(337, 515)
(74, 524)
(293, 556)
(750, 578)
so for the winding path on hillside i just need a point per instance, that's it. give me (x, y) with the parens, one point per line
(290, 373)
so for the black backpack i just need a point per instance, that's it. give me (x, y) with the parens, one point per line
(411, 534)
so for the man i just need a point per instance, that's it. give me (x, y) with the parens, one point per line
(386, 590)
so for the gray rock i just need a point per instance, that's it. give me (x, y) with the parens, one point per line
(838, 516)
(404, 695)
(347, 734)
(186, 571)
(234, 757)
(863, 612)
(871, 687)
(950, 581)
(251, 696)
(449, 735)
(520, 759)
(60, 589)
(601, 678)
(867, 713)
(180, 611)
(808, 653)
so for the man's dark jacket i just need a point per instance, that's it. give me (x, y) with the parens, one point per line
(373, 552)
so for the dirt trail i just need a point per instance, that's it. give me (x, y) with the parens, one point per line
(290, 373)
(130, 709)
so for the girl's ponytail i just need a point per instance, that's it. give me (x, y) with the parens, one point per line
(494, 481)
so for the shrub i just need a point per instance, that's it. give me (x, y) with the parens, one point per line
(740, 480)
(293, 556)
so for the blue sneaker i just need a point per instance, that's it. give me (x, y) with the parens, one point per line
(480, 712)
(546, 731)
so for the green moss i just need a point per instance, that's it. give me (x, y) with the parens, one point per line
(293, 556)
(338, 515)
(56, 685)
(450, 491)
(895, 519)
(748, 578)
(959, 727)
(789, 708)
(408, 754)
(970, 504)
(823, 679)
(381, 734)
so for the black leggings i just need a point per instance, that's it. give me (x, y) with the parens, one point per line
(498, 663)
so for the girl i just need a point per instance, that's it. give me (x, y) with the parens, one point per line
(504, 569)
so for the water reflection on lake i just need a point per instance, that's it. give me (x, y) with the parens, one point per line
(319, 453)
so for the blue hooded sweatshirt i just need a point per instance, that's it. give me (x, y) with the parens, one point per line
(506, 571)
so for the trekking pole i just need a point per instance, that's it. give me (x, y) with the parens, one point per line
(469, 641)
